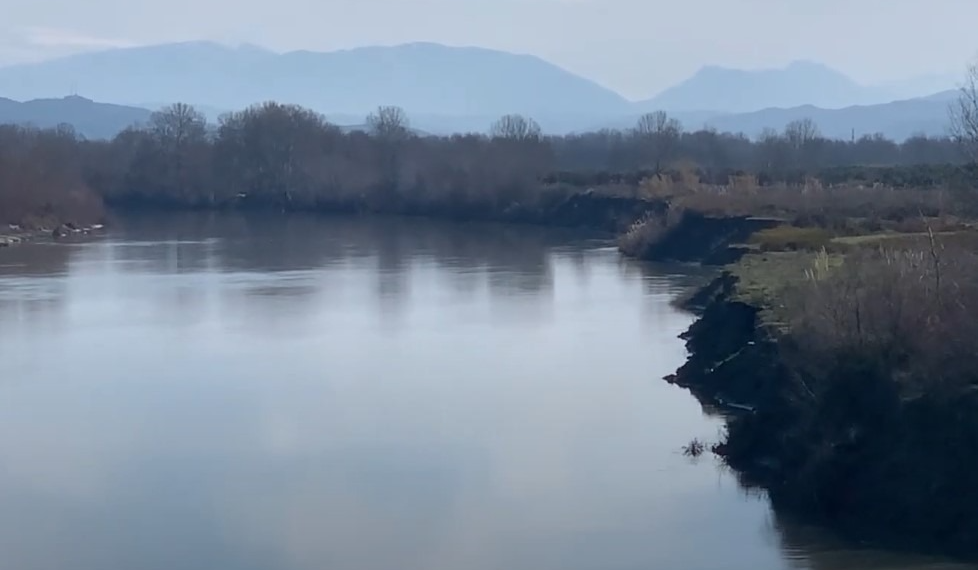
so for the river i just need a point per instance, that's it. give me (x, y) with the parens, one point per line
(234, 393)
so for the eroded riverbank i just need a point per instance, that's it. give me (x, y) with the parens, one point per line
(850, 432)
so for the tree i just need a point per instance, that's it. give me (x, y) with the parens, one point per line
(659, 135)
(801, 132)
(964, 115)
(171, 159)
(272, 153)
(803, 138)
(391, 127)
(389, 123)
(515, 127)
(177, 125)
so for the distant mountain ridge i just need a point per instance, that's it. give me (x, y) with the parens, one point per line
(799, 83)
(447, 89)
(421, 77)
(91, 119)
(896, 120)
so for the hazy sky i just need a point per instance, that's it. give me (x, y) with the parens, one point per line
(636, 47)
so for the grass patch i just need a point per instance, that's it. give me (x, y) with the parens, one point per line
(792, 238)
(764, 278)
(916, 240)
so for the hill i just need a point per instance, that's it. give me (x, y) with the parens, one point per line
(90, 119)
(897, 120)
(420, 77)
(737, 90)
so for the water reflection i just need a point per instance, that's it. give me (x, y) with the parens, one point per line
(238, 393)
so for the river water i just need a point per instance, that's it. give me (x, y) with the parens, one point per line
(217, 392)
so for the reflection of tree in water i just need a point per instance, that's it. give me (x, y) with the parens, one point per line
(275, 267)
(807, 545)
(35, 260)
(32, 285)
(665, 278)
(299, 257)
(813, 547)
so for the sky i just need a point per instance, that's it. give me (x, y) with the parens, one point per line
(636, 47)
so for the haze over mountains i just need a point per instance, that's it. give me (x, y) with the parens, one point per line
(447, 89)
(423, 78)
(797, 84)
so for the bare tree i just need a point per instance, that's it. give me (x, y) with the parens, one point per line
(390, 128)
(389, 123)
(660, 134)
(801, 132)
(178, 124)
(172, 157)
(802, 137)
(268, 152)
(964, 114)
(772, 151)
(515, 127)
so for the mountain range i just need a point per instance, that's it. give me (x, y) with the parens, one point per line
(737, 90)
(421, 77)
(447, 89)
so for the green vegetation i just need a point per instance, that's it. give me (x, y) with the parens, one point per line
(856, 357)
(786, 237)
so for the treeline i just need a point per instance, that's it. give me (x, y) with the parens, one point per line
(288, 157)
(658, 141)
(42, 178)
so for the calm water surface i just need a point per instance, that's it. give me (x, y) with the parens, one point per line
(226, 393)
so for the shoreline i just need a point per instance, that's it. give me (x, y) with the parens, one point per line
(739, 362)
(17, 235)
(735, 361)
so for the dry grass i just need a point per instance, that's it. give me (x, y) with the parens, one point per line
(647, 231)
(792, 238)
(811, 203)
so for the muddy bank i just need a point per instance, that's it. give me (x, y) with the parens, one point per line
(591, 210)
(16, 234)
(843, 446)
(692, 237)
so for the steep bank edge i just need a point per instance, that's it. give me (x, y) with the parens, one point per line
(738, 362)
(694, 237)
(591, 210)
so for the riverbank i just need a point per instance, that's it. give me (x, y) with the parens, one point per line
(848, 377)
(839, 422)
(590, 209)
(16, 234)
(840, 336)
